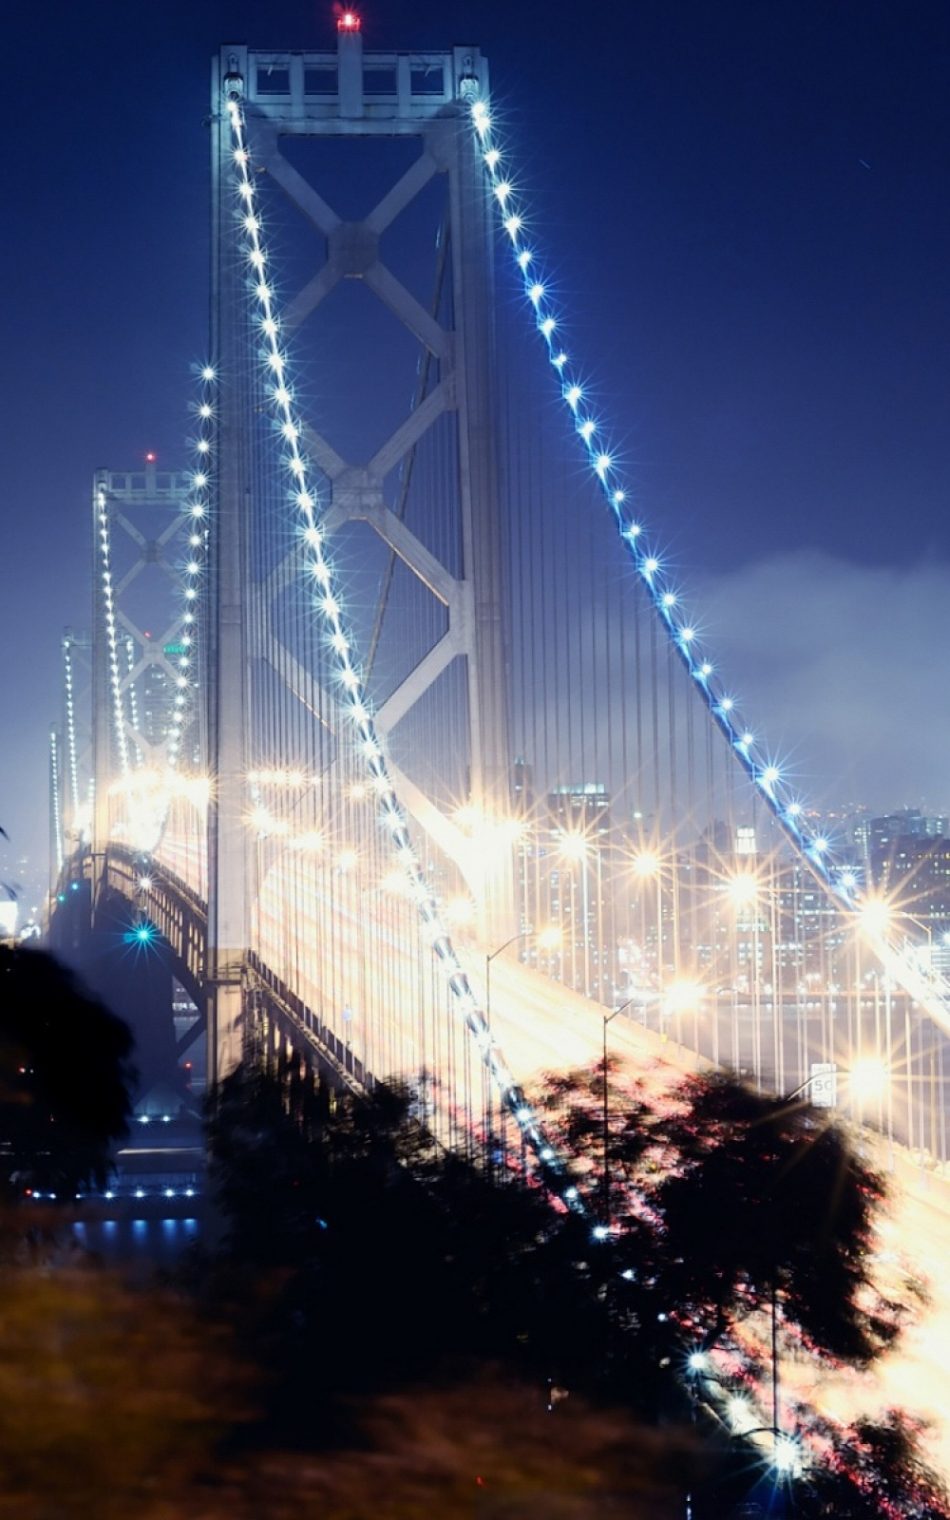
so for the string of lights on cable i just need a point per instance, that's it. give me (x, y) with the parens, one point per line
(767, 776)
(72, 752)
(194, 568)
(112, 636)
(352, 698)
(55, 795)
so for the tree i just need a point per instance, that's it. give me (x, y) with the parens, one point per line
(65, 1077)
(722, 1197)
(360, 1257)
(871, 1469)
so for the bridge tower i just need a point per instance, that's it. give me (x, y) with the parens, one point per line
(337, 97)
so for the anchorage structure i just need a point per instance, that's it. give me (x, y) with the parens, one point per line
(339, 96)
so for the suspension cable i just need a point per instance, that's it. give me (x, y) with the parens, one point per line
(929, 987)
(353, 701)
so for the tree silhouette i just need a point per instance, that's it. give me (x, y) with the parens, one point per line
(360, 1257)
(64, 1079)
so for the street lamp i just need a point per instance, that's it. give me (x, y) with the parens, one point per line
(608, 1019)
(545, 937)
(547, 940)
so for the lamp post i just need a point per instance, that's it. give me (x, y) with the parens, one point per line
(540, 934)
(605, 1181)
(866, 1075)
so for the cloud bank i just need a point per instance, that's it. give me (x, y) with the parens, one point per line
(843, 669)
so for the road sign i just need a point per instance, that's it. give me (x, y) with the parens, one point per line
(823, 1090)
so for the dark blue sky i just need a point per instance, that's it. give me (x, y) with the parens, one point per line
(747, 205)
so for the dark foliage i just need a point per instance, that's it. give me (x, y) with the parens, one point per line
(64, 1078)
(360, 1257)
(767, 1197)
(721, 1196)
(873, 1471)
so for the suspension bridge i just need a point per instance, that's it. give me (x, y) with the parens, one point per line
(394, 727)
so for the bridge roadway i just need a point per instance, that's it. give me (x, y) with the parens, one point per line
(544, 1026)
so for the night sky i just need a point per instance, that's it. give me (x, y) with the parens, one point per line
(747, 206)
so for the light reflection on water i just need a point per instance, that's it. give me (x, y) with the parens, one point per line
(145, 1242)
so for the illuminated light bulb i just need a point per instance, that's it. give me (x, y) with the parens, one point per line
(276, 361)
(548, 939)
(697, 1361)
(513, 225)
(524, 259)
(330, 606)
(296, 466)
(502, 192)
(257, 258)
(727, 704)
(867, 1079)
(251, 224)
(305, 501)
(669, 599)
(848, 880)
(646, 863)
(195, 540)
(687, 635)
(204, 410)
(192, 567)
(535, 293)
(269, 326)
(207, 373)
(572, 847)
(602, 464)
(492, 158)
(547, 326)
(573, 395)
(203, 446)
(794, 809)
(770, 775)
(263, 291)
(289, 430)
(787, 1455)
(650, 566)
(632, 532)
(820, 845)
(559, 360)
(313, 537)
(587, 429)
(739, 1413)
(339, 643)
(705, 668)
(618, 498)
(199, 480)
(875, 915)
(245, 191)
(191, 593)
(240, 156)
(742, 890)
(282, 395)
